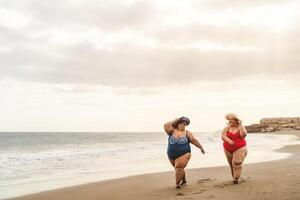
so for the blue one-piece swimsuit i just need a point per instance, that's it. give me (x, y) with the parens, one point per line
(178, 146)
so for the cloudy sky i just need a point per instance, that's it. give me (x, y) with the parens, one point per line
(131, 65)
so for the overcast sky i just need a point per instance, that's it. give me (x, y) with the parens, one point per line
(131, 65)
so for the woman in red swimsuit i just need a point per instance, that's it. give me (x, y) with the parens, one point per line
(234, 145)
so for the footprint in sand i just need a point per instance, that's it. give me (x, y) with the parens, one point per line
(204, 180)
(222, 185)
(179, 194)
(199, 192)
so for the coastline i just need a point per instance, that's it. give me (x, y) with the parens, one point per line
(266, 180)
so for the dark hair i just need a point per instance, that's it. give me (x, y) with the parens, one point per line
(175, 124)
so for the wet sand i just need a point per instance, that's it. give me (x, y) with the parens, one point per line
(272, 180)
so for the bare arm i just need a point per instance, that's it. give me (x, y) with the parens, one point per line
(168, 126)
(195, 142)
(243, 131)
(225, 138)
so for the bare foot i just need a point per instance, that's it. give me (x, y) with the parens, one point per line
(183, 182)
(235, 181)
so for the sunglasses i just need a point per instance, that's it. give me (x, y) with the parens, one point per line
(234, 122)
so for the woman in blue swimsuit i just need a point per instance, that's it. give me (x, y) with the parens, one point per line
(179, 150)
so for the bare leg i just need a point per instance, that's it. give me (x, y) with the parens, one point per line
(172, 162)
(237, 161)
(229, 157)
(180, 164)
(183, 181)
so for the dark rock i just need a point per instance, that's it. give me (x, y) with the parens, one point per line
(275, 124)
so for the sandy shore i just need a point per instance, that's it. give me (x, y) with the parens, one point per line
(268, 180)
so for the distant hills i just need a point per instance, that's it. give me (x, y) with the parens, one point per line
(275, 124)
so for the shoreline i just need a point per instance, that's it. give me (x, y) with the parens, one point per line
(203, 182)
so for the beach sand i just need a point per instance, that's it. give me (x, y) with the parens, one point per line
(272, 180)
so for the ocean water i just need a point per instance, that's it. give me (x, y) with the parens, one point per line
(39, 161)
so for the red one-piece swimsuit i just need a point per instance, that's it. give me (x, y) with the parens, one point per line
(239, 142)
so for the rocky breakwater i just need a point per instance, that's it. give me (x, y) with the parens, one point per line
(275, 124)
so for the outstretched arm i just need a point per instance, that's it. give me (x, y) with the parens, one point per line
(224, 136)
(195, 142)
(168, 126)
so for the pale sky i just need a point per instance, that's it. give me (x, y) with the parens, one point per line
(131, 65)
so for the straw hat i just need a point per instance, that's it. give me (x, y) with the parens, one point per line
(230, 116)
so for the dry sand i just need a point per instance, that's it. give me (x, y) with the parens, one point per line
(274, 180)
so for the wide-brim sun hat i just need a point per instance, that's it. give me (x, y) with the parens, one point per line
(184, 119)
(181, 119)
(230, 116)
